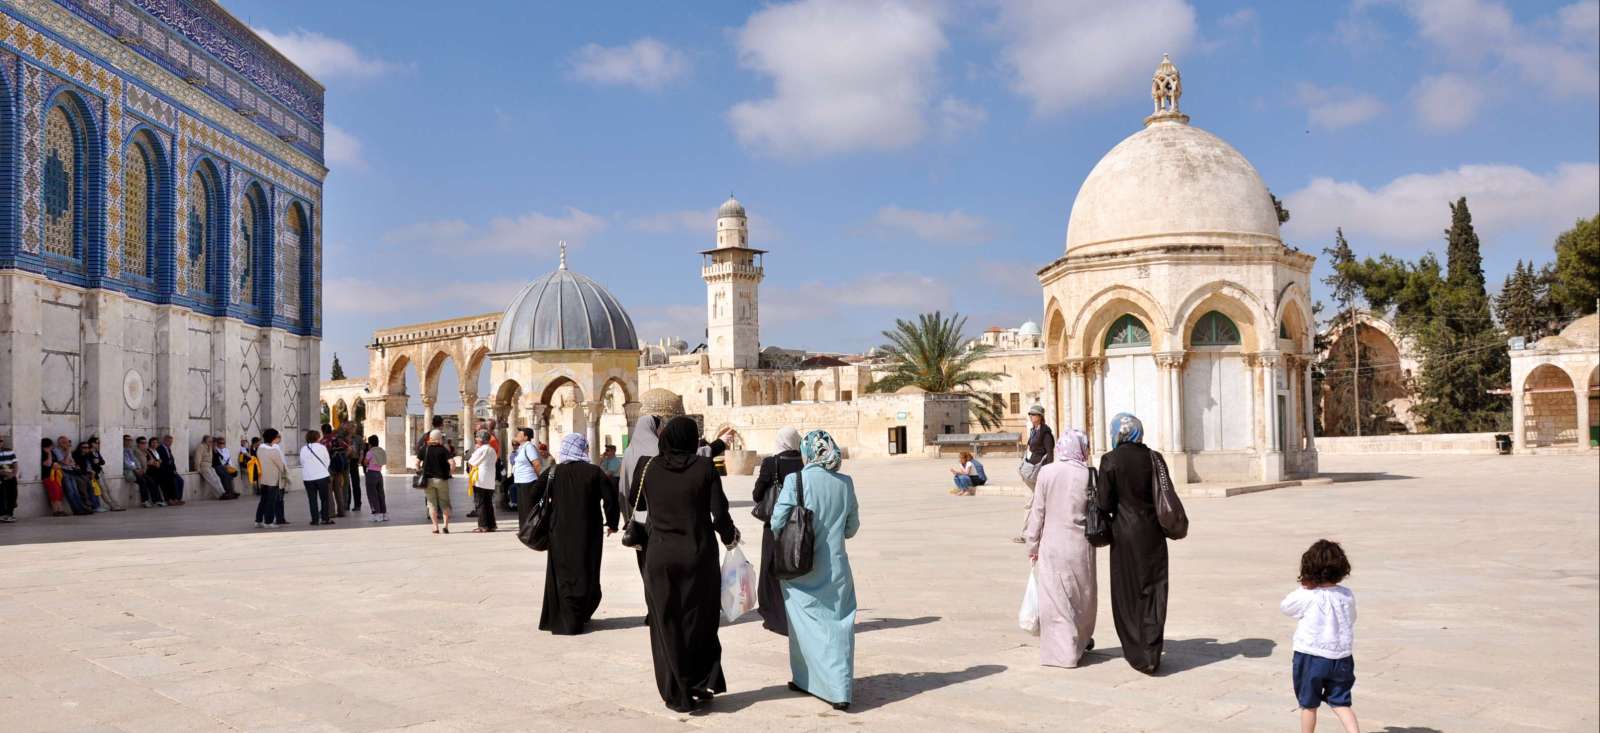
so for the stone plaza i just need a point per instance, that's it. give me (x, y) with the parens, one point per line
(1476, 577)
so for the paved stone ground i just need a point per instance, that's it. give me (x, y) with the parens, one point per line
(1477, 579)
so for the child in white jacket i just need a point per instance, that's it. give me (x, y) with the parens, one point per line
(1324, 640)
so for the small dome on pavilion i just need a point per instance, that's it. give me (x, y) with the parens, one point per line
(564, 311)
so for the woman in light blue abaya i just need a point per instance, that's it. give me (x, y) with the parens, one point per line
(821, 604)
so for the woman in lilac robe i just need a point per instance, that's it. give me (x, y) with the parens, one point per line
(1063, 558)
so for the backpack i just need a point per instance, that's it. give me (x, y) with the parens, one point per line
(982, 478)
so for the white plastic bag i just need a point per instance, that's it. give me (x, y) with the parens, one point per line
(738, 586)
(1028, 615)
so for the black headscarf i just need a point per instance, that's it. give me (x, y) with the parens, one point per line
(680, 439)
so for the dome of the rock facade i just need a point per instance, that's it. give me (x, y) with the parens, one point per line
(1171, 183)
(564, 311)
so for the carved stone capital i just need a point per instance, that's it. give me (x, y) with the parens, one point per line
(1171, 359)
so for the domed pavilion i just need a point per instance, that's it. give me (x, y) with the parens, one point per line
(1176, 300)
(563, 333)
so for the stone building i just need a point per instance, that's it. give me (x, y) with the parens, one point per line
(1388, 364)
(161, 174)
(1176, 300)
(1555, 388)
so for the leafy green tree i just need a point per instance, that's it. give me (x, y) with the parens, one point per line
(1577, 271)
(932, 354)
(338, 370)
(1346, 366)
(1523, 306)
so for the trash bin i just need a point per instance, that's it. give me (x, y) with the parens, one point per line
(1503, 442)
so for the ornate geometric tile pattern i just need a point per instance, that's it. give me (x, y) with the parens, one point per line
(61, 201)
(32, 165)
(244, 247)
(114, 186)
(197, 239)
(249, 385)
(288, 265)
(137, 194)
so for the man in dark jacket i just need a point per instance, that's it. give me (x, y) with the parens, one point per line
(1041, 450)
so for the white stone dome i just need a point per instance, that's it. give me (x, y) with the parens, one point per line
(564, 311)
(1029, 329)
(1171, 183)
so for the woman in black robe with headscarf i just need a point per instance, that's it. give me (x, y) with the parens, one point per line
(769, 482)
(688, 513)
(1138, 547)
(583, 503)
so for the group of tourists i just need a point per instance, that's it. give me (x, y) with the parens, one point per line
(73, 475)
(1126, 504)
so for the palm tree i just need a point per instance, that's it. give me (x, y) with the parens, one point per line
(933, 355)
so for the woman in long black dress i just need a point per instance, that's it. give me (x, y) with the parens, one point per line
(582, 503)
(688, 513)
(769, 481)
(1138, 547)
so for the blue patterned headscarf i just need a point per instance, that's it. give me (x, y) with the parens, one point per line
(819, 449)
(574, 447)
(1125, 428)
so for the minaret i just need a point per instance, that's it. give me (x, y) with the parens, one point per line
(733, 273)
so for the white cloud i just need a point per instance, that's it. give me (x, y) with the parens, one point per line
(1412, 209)
(646, 64)
(1447, 102)
(531, 233)
(847, 76)
(325, 58)
(1331, 108)
(1074, 53)
(340, 148)
(946, 227)
(1559, 54)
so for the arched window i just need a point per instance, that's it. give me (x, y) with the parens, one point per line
(288, 270)
(1214, 329)
(243, 283)
(202, 233)
(63, 174)
(1127, 332)
(139, 206)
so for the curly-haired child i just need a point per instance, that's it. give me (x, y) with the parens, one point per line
(1324, 668)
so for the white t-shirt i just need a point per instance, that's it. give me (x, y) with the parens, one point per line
(313, 462)
(1327, 625)
(484, 459)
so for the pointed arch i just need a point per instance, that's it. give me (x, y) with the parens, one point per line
(147, 195)
(252, 251)
(1098, 313)
(72, 165)
(1237, 303)
(206, 217)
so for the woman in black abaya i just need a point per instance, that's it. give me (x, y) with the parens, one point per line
(583, 504)
(1138, 547)
(769, 482)
(688, 513)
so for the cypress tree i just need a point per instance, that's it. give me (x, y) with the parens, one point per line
(1520, 306)
(1463, 354)
(338, 370)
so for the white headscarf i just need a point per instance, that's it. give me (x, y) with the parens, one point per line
(788, 440)
(574, 448)
(642, 443)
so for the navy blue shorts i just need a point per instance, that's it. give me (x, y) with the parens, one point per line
(1320, 680)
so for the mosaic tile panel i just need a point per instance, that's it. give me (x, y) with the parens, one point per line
(244, 245)
(180, 225)
(60, 184)
(114, 185)
(137, 195)
(288, 264)
(198, 238)
(31, 165)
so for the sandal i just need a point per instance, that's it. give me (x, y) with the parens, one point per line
(436, 531)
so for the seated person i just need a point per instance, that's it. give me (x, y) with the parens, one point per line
(968, 475)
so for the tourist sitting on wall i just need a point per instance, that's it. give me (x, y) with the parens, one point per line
(203, 462)
(133, 471)
(50, 476)
(167, 470)
(8, 482)
(250, 464)
(74, 477)
(149, 490)
(223, 467)
(969, 475)
(96, 464)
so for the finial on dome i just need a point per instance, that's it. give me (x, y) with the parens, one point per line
(1166, 87)
(563, 254)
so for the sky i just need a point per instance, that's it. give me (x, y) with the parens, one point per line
(896, 156)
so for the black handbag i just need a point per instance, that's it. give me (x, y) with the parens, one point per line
(763, 509)
(1170, 515)
(1096, 521)
(636, 533)
(535, 530)
(797, 542)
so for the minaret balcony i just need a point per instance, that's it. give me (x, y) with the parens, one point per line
(730, 269)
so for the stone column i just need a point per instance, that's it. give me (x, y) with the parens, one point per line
(102, 403)
(389, 412)
(1519, 414)
(1306, 385)
(1171, 364)
(469, 419)
(541, 421)
(1097, 419)
(1272, 455)
(1580, 392)
(427, 411)
(596, 410)
(1055, 397)
(1077, 407)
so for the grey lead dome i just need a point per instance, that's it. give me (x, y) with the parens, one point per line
(564, 311)
(731, 207)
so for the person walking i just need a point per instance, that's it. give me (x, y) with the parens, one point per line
(480, 477)
(688, 514)
(274, 476)
(784, 460)
(355, 463)
(584, 507)
(8, 482)
(822, 603)
(314, 475)
(377, 499)
(1041, 447)
(1063, 559)
(338, 450)
(1138, 546)
(436, 470)
(1324, 665)
(203, 462)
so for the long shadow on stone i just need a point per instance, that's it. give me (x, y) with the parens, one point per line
(1182, 655)
(870, 692)
(882, 624)
(616, 623)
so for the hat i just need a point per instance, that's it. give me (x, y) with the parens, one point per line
(660, 402)
(1036, 410)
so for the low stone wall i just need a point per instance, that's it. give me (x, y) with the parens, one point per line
(1457, 443)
